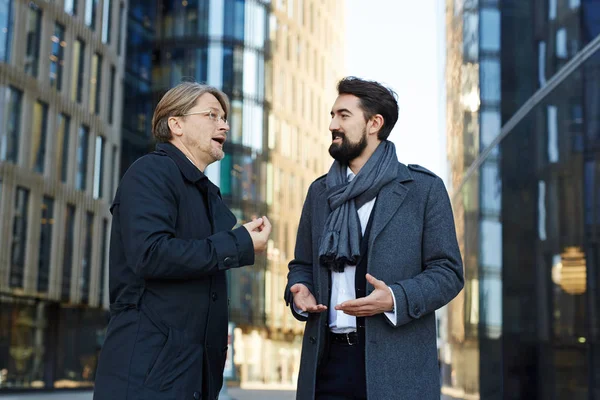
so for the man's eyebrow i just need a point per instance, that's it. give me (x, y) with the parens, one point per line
(341, 110)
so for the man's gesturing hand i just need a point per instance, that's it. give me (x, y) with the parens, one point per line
(379, 301)
(259, 230)
(304, 300)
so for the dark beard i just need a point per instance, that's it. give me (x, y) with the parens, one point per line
(347, 151)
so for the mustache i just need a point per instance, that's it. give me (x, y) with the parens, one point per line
(336, 134)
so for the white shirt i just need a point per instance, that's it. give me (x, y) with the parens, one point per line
(343, 287)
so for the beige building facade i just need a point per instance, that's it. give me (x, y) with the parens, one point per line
(61, 68)
(307, 49)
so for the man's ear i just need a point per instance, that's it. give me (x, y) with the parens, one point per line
(376, 123)
(175, 126)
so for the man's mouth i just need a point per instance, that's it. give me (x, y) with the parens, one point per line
(337, 137)
(219, 139)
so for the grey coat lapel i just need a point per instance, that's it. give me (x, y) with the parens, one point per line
(388, 201)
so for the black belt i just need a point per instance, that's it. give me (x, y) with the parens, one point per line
(348, 339)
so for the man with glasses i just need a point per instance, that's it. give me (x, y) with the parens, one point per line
(171, 243)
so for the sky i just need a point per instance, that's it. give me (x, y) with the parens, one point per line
(401, 44)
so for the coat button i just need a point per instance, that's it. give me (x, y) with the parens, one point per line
(197, 396)
(416, 310)
(312, 339)
(214, 296)
(228, 261)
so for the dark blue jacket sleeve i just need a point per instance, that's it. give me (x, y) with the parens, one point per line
(148, 206)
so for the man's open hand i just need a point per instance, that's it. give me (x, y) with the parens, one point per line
(379, 301)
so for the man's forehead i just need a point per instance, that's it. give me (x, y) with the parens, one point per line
(347, 102)
(208, 100)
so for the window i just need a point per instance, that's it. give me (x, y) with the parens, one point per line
(552, 5)
(57, 56)
(552, 121)
(95, 83)
(19, 238)
(86, 260)
(45, 246)
(561, 43)
(106, 21)
(62, 146)
(90, 13)
(120, 43)
(33, 36)
(82, 157)
(103, 260)
(111, 94)
(6, 27)
(542, 63)
(77, 75)
(490, 29)
(98, 190)
(68, 252)
(71, 7)
(10, 122)
(38, 136)
(113, 170)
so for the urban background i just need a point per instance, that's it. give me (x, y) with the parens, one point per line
(79, 80)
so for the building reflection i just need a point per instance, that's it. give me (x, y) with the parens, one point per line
(527, 324)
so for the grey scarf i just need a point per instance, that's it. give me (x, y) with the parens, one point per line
(340, 243)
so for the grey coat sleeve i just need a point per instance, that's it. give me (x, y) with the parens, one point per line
(301, 267)
(148, 212)
(442, 276)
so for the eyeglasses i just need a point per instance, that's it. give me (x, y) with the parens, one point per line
(211, 114)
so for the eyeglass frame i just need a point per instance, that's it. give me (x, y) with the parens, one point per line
(218, 118)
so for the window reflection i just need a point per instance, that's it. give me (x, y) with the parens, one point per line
(82, 158)
(98, 190)
(38, 136)
(19, 238)
(77, 70)
(106, 21)
(95, 83)
(86, 258)
(62, 145)
(67, 264)
(57, 56)
(33, 32)
(90, 13)
(10, 122)
(6, 29)
(46, 226)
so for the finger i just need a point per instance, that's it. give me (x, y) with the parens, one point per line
(377, 284)
(353, 303)
(316, 308)
(266, 224)
(254, 224)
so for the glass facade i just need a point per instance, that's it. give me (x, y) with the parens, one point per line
(525, 199)
(225, 44)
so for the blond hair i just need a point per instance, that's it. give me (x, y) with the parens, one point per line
(178, 101)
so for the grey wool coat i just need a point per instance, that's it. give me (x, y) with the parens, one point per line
(413, 249)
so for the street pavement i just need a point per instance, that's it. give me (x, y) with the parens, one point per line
(234, 394)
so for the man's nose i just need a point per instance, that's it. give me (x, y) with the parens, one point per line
(333, 125)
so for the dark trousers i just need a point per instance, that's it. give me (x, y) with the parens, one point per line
(341, 376)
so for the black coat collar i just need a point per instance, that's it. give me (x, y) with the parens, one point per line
(187, 168)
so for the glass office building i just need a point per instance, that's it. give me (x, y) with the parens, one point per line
(60, 118)
(523, 140)
(278, 61)
(223, 43)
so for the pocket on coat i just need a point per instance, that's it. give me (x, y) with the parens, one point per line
(174, 359)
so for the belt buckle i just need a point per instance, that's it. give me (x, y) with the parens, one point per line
(348, 339)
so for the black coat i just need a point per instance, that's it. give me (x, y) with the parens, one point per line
(171, 243)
